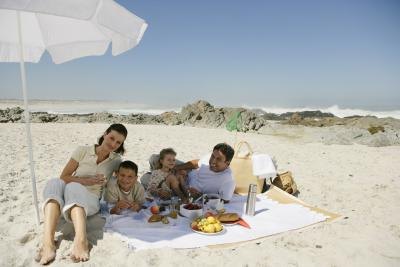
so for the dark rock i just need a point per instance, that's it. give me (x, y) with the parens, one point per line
(271, 116)
(11, 114)
(170, 118)
(43, 117)
(295, 119)
(201, 113)
(307, 114)
(376, 129)
(367, 130)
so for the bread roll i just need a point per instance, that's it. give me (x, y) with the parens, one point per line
(228, 217)
(155, 218)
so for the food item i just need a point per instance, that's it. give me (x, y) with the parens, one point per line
(208, 214)
(194, 226)
(173, 214)
(221, 211)
(228, 217)
(165, 220)
(207, 225)
(155, 218)
(155, 209)
(192, 206)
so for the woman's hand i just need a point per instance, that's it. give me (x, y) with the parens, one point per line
(69, 170)
(99, 179)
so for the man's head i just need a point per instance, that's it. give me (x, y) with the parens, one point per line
(127, 175)
(221, 157)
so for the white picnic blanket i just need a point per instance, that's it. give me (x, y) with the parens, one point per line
(271, 218)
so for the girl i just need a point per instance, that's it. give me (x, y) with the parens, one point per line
(162, 181)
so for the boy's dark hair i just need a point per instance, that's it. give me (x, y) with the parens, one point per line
(127, 164)
(225, 149)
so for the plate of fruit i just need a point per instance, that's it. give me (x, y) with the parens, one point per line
(207, 226)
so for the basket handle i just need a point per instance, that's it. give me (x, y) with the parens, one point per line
(239, 146)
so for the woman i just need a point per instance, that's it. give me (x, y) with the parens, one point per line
(77, 193)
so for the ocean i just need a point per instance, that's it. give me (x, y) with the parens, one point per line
(124, 108)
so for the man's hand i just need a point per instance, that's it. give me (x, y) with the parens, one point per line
(194, 192)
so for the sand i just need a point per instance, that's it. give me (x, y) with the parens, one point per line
(359, 182)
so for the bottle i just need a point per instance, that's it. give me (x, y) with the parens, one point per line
(251, 200)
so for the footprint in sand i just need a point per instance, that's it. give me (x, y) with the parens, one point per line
(396, 230)
(26, 238)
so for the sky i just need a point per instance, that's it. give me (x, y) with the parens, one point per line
(258, 53)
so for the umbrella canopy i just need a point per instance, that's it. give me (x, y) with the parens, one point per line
(67, 29)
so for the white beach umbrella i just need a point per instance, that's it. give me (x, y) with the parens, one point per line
(67, 29)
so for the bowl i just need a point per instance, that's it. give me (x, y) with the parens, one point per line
(214, 202)
(191, 212)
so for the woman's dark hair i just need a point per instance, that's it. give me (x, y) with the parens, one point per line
(119, 128)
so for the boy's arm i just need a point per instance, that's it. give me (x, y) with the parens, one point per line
(140, 198)
(115, 210)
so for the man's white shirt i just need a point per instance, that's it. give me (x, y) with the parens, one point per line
(206, 181)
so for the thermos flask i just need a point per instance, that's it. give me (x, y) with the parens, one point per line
(251, 200)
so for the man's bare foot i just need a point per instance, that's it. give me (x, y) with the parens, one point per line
(46, 254)
(80, 251)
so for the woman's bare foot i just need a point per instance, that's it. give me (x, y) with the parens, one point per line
(80, 251)
(46, 254)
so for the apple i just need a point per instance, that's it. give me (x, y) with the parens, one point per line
(155, 209)
(194, 226)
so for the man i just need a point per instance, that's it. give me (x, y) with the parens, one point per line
(214, 177)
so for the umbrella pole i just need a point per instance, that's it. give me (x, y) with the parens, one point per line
(27, 120)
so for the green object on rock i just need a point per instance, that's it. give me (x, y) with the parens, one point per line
(234, 122)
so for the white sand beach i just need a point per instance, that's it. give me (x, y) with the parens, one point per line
(359, 182)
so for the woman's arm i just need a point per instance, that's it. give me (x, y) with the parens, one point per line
(70, 168)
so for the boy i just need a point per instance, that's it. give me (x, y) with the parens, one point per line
(125, 192)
